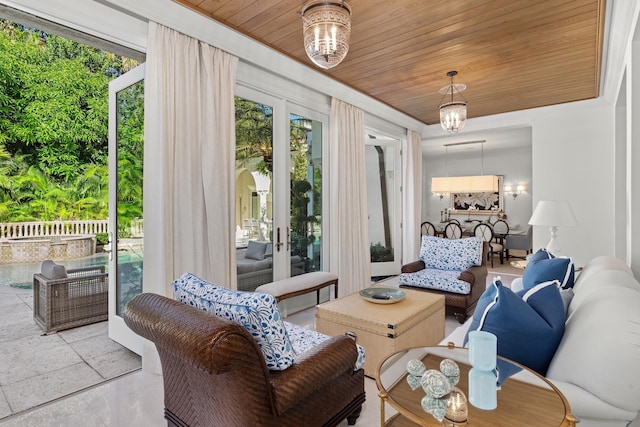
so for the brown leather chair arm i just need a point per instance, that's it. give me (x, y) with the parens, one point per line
(412, 267)
(312, 371)
(197, 337)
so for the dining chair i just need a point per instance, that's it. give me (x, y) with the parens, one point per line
(485, 232)
(500, 231)
(454, 221)
(500, 227)
(427, 229)
(453, 231)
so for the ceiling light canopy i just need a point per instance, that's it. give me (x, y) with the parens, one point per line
(326, 26)
(453, 114)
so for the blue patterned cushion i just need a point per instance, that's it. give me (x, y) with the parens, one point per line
(450, 254)
(258, 313)
(444, 280)
(303, 339)
(529, 324)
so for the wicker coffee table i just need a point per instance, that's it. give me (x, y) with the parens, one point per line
(383, 329)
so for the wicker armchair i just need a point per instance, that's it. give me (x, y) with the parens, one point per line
(77, 297)
(459, 305)
(215, 374)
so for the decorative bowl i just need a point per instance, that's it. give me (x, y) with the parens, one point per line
(382, 295)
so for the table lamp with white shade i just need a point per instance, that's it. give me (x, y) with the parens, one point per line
(553, 214)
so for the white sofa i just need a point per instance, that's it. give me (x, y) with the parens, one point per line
(597, 364)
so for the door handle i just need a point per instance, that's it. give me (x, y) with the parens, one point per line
(288, 239)
(278, 242)
(109, 246)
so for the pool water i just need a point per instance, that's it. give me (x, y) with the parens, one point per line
(20, 276)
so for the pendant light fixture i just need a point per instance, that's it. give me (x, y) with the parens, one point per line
(453, 114)
(466, 184)
(326, 26)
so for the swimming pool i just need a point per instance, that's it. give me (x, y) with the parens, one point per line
(21, 275)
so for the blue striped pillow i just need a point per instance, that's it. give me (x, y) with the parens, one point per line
(544, 270)
(529, 324)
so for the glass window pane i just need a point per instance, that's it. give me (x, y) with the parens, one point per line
(130, 151)
(380, 187)
(306, 194)
(254, 167)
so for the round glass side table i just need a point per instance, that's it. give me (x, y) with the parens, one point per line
(525, 398)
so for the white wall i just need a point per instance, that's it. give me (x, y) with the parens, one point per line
(573, 159)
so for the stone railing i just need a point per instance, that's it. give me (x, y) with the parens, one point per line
(53, 228)
(30, 242)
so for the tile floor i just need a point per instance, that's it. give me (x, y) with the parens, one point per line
(77, 360)
(135, 399)
(36, 368)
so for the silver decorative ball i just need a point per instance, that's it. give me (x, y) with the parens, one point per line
(416, 367)
(435, 383)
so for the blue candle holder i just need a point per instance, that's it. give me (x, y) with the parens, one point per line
(483, 347)
(483, 391)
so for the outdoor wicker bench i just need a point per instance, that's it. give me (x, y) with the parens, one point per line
(79, 299)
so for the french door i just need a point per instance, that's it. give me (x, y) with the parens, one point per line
(383, 165)
(126, 142)
(278, 188)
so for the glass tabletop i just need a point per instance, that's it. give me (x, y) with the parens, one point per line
(523, 397)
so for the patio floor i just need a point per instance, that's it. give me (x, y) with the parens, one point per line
(36, 368)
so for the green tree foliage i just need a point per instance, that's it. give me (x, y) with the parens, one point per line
(254, 134)
(54, 126)
(130, 112)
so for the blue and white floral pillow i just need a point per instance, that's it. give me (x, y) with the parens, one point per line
(450, 254)
(258, 313)
(303, 339)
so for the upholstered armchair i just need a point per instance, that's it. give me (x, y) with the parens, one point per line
(522, 242)
(455, 268)
(217, 374)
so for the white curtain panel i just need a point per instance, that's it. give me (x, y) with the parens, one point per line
(189, 176)
(349, 227)
(411, 196)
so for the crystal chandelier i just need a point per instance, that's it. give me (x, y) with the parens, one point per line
(326, 26)
(453, 114)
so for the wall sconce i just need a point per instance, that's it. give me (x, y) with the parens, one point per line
(508, 189)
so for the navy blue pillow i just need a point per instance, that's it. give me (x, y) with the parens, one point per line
(545, 270)
(541, 254)
(529, 324)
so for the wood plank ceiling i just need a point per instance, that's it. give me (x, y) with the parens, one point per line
(512, 55)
